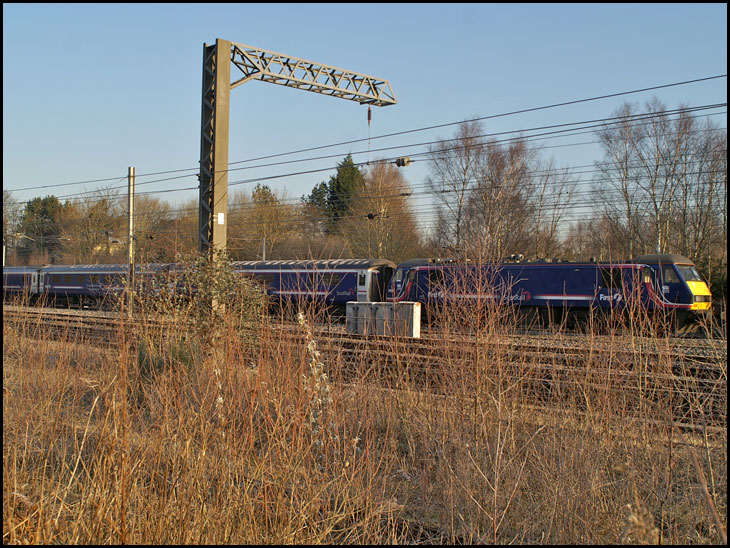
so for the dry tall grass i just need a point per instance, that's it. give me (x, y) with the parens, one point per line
(261, 441)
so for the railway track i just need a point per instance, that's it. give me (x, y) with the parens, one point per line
(80, 326)
(690, 376)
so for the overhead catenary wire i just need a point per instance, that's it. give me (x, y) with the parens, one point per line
(88, 196)
(558, 133)
(547, 209)
(592, 125)
(404, 132)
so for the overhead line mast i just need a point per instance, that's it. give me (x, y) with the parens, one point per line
(267, 66)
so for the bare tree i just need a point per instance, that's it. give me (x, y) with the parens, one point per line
(658, 151)
(259, 223)
(552, 194)
(601, 238)
(499, 210)
(494, 199)
(454, 167)
(381, 223)
(182, 235)
(663, 181)
(152, 218)
(616, 183)
(93, 230)
(10, 212)
(701, 211)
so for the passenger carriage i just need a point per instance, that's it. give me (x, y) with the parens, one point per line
(332, 282)
(20, 281)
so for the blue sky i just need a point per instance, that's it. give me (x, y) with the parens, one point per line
(89, 90)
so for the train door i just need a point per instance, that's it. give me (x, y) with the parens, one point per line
(363, 283)
(374, 287)
(671, 285)
(432, 284)
(384, 275)
(610, 292)
(394, 285)
(648, 284)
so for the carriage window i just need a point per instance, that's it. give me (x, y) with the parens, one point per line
(670, 276)
(361, 279)
(267, 279)
(334, 280)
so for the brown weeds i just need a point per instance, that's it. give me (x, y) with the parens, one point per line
(258, 440)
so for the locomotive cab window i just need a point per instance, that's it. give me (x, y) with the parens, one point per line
(689, 273)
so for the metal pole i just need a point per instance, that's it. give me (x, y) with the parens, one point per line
(130, 244)
(213, 190)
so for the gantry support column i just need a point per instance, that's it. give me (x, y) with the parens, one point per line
(267, 66)
(213, 217)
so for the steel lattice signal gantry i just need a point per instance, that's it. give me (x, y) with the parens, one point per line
(267, 66)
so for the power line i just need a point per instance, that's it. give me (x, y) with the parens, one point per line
(593, 124)
(427, 128)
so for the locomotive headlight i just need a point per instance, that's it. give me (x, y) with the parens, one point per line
(702, 298)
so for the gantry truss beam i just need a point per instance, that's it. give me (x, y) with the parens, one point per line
(285, 70)
(267, 66)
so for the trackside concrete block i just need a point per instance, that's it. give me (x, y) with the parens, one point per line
(402, 319)
(360, 319)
